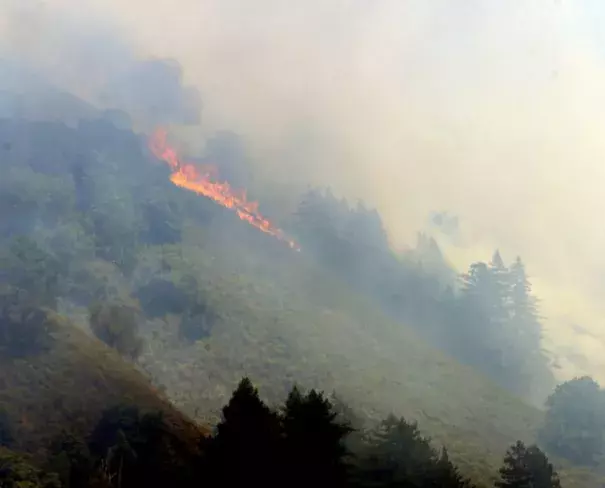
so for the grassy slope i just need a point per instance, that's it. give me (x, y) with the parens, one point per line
(69, 385)
(282, 319)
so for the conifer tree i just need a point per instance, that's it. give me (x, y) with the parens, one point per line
(525, 326)
(498, 315)
(499, 273)
(479, 319)
(523, 306)
(398, 454)
(527, 467)
(245, 450)
(499, 293)
(501, 348)
(445, 475)
(314, 441)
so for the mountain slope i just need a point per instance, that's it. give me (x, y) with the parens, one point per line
(69, 384)
(283, 320)
(220, 299)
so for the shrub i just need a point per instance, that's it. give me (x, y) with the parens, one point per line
(117, 326)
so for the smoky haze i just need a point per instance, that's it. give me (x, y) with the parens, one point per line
(489, 110)
(44, 46)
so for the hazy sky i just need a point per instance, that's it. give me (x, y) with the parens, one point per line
(491, 109)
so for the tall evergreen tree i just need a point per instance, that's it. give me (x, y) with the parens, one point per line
(523, 303)
(246, 448)
(527, 467)
(498, 316)
(399, 455)
(499, 272)
(475, 284)
(477, 313)
(314, 438)
(485, 291)
(523, 306)
(525, 326)
(445, 475)
(498, 294)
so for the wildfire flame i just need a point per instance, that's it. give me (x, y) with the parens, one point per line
(202, 180)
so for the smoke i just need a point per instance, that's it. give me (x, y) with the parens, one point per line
(51, 46)
(490, 110)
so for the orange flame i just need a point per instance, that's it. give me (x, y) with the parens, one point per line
(199, 179)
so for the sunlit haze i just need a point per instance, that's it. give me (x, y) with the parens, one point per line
(489, 110)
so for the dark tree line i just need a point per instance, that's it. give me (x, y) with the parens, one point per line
(487, 317)
(301, 444)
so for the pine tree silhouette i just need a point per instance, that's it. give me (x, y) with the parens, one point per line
(527, 467)
(400, 456)
(246, 448)
(314, 443)
(445, 475)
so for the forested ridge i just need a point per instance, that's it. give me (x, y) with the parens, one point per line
(106, 268)
(486, 317)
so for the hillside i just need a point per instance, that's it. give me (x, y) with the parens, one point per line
(91, 217)
(69, 384)
(285, 320)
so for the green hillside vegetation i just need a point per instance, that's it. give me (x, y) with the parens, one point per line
(94, 233)
(69, 384)
(304, 325)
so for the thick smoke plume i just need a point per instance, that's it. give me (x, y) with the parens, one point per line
(490, 111)
(48, 46)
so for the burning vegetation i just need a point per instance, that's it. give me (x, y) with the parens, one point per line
(202, 180)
